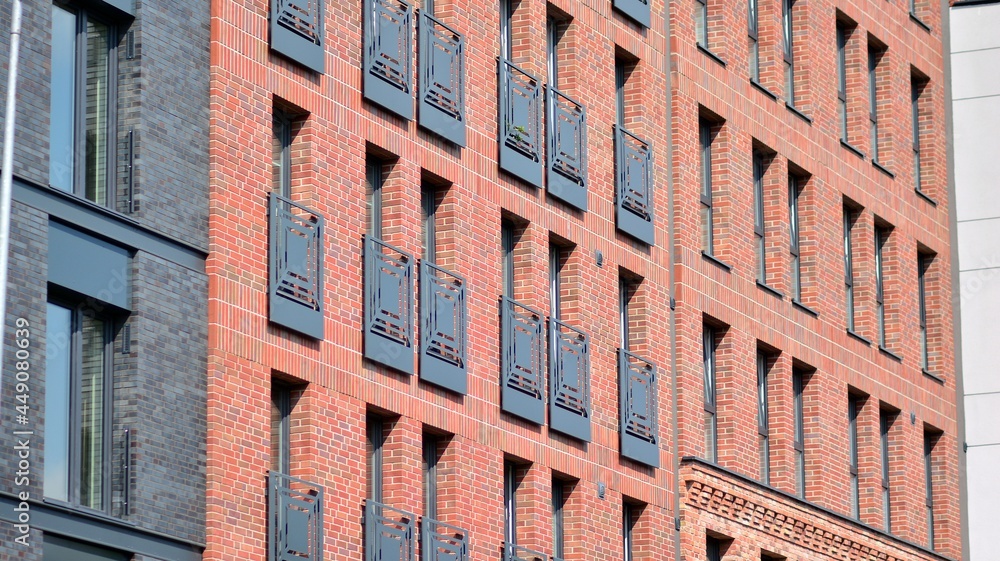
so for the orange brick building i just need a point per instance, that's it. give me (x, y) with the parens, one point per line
(611, 280)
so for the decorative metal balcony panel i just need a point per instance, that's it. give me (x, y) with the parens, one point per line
(522, 361)
(295, 519)
(388, 336)
(569, 380)
(388, 533)
(520, 123)
(566, 129)
(388, 55)
(634, 186)
(297, 31)
(637, 393)
(518, 553)
(443, 328)
(442, 80)
(635, 9)
(443, 542)
(296, 267)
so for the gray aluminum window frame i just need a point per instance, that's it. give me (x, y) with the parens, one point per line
(853, 410)
(701, 23)
(849, 268)
(842, 33)
(709, 380)
(924, 262)
(281, 411)
(620, 84)
(558, 518)
(428, 216)
(507, 257)
(628, 529)
(759, 232)
(885, 425)
(555, 280)
(794, 232)
(552, 51)
(281, 125)
(626, 287)
(763, 421)
(874, 54)
(375, 433)
(881, 237)
(753, 28)
(510, 503)
(374, 181)
(713, 549)
(506, 38)
(929, 485)
(788, 52)
(916, 86)
(708, 218)
(430, 461)
(798, 429)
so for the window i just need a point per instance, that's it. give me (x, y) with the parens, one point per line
(281, 149)
(558, 521)
(281, 411)
(506, 37)
(510, 503)
(793, 230)
(373, 197)
(929, 440)
(752, 22)
(874, 55)
(707, 221)
(552, 51)
(701, 22)
(762, 419)
(431, 457)
(853, 409)
(708, 355)
(799, 440)
(923, 265)
(849, 267)
(626, 289)
(881, 235)
(916, 87)
(758, 217)
(557, 256)
(628, 528)
(81, 145)
(842, 34)
(375, 429)
(788, 53)
(428, 214)
(507, 249)
(620, 79)
(78, 388)
(713, 549)
(885, 419)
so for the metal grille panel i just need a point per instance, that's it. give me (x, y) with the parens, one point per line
(443, 314)
(639, 406)
(297, 31)
(635, 9)
(388, 533)
(443, 542)
(296, 266)
(566, 129)
(634, 185)
(388, 305)
(442, 79)
(295, 519)
(520, 123)
(569, 380)
(522, 358)
(519, 553)
(388, 55)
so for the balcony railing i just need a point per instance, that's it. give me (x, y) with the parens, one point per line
(297, 32)
(569, 380)
(388, 55)
(442, 328)
(566, 128)
(388, 337)
(520, 123)
(388, 533)
(639, 427)
(442, 80)
(634, 186)
(443, 542)
(296, 267)
(518, 553)
(522, 344)
(295, 519)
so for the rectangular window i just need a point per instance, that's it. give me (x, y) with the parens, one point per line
(842, 34)
(556, 257)
(763, 424)
(375, 435)
(881, 235)
(428, 214)
(552, 51)
(849, 267)
(701, 22)
(788, 53)
(923, 265)
(625, 290)
(874, 55)
(760, 243)
(506, 37)
(281, 411)
(752, 23)
(885, 425)
(708, 355)
(799, 441)
(373, 197)
(916, 86)
(620, 79)
(81, 146)
(558, 525)
(705, 167)
(78, 400)
(853, 409)
(510, 503)
(281, 149)
(793, 229)
(507, 249)
(929, 440)
(628, 527)
(430, 463)
(713, 549)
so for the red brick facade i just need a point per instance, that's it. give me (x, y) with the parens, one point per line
(334, 132)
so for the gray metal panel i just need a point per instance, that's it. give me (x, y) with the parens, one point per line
(55, 548)
(566, 131)
(635, 9)
(519, 553)
(295, 519)
(569, 380)
(443, 328)
(520, 123)
(443, 542)
(522, 361)
(90, 266)
(442, 80)
(297, 31)
(637, 395)
(124, 7)
(296, 267)
(388, 337)
(388, 533)
(388, 55)
(634, 186)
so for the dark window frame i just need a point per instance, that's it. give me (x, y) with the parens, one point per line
(759, 230)
(929, 443)
(281, 125)
(375, 433)
(709, 381)
(885, 426)
(507, 257)
(849, 267)
(788, 53)
(428, 222)
(794, 232)
(763, 420)
(713, 549)
(753, 28)
(374, 182)
(916, 88)
(881, 238)
(281, 411)
(506, 37)
(626, 288)
(628, 530)
(510, 502)
(706, 196)
(552, 51)
(701, 23)
(853, 410)
(874, 56)
(558, 518)
(556, 260)
(798, 430)
(842, 34)
(430, 460)
(924, 262)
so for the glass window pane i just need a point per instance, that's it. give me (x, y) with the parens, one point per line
(62, 113)
(58, 343)
(92, 399)
(97, 104)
